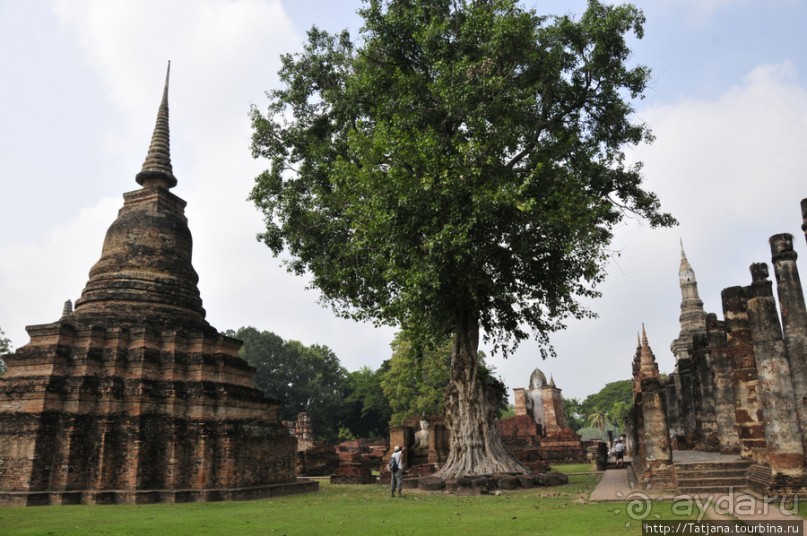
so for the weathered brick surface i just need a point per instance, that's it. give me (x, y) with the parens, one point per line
(134, 397)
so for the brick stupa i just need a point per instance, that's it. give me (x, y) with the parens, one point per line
(133, 397)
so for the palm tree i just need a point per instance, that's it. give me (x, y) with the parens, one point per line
(599, 420)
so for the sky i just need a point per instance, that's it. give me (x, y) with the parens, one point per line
(82, 81)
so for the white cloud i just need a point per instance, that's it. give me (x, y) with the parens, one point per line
(36, 278)
(224, 56)
(731, 170)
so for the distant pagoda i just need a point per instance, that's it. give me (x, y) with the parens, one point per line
(132, 397)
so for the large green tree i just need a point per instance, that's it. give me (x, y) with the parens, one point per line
(418, 373)
(367, 412)
(573, 413)
(302, 378)
(611, 400)
(459, 172)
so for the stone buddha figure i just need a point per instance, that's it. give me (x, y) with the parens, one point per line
(535, 397)
(422, 436)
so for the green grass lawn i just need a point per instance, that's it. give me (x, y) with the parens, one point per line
(575, 468)
(349, 510)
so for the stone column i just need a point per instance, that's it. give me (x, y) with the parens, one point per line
(656, 433)
(704, 393)
(673, 410)
(723, 390)
(744, 380)
(654, 414)
(782, 433)
(520, 397)
(553, 410)
(794, 320)
(686, 398)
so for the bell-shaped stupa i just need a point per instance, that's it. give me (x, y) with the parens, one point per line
(132, 397)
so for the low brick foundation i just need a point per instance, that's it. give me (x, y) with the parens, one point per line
(10, 498)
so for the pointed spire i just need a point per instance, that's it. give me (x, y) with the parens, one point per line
(685, 272)
(552, 381)
(647, 361)
(157, 170)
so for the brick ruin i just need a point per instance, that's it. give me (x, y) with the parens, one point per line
(739, 385)
(358, 458)
(133, 397)
(314, 458)
(538, 434)
(425, 444)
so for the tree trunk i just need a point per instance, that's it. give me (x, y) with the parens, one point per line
(475, 445)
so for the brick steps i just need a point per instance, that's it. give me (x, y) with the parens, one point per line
(711, 477)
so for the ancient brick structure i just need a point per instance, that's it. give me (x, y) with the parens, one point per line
(522, 436)
(540, 424)
(740, 351)
(719, 365)
(133, 397)
(314, 458)
(687, 429)
(740, 385)
(357, 460)
(425, 444)
(785, 450)
(652, 458)
(794, 320)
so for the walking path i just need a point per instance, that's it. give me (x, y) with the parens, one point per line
(742, 505)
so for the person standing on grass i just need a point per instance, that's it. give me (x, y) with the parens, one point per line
(396, 471)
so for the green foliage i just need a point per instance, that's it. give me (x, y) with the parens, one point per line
(604, 400)
(612, 403)
(572, 409)
(589, 433)
(5, 348)
(507, 412)
(345, 434)
(367, 410)
(416, 379)
(465, 160)
(302, 378)
(619, 412)
(417, 375)
(598, 420)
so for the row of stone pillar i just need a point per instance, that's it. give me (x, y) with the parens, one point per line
(741, 383)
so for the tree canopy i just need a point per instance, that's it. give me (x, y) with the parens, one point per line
(613, 400)
(367, 412)
(417, 376)
(302, 378)
(459, 172)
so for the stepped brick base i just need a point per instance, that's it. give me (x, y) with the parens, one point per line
(763, 481)
(651, 474)
(155, 496)
(711, 477)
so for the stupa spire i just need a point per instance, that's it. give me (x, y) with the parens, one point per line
(647, 361)
(685, 272)
(157, 170)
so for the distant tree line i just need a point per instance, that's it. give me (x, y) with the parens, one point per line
(362, 403)
(604, 410)
(5, 348)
